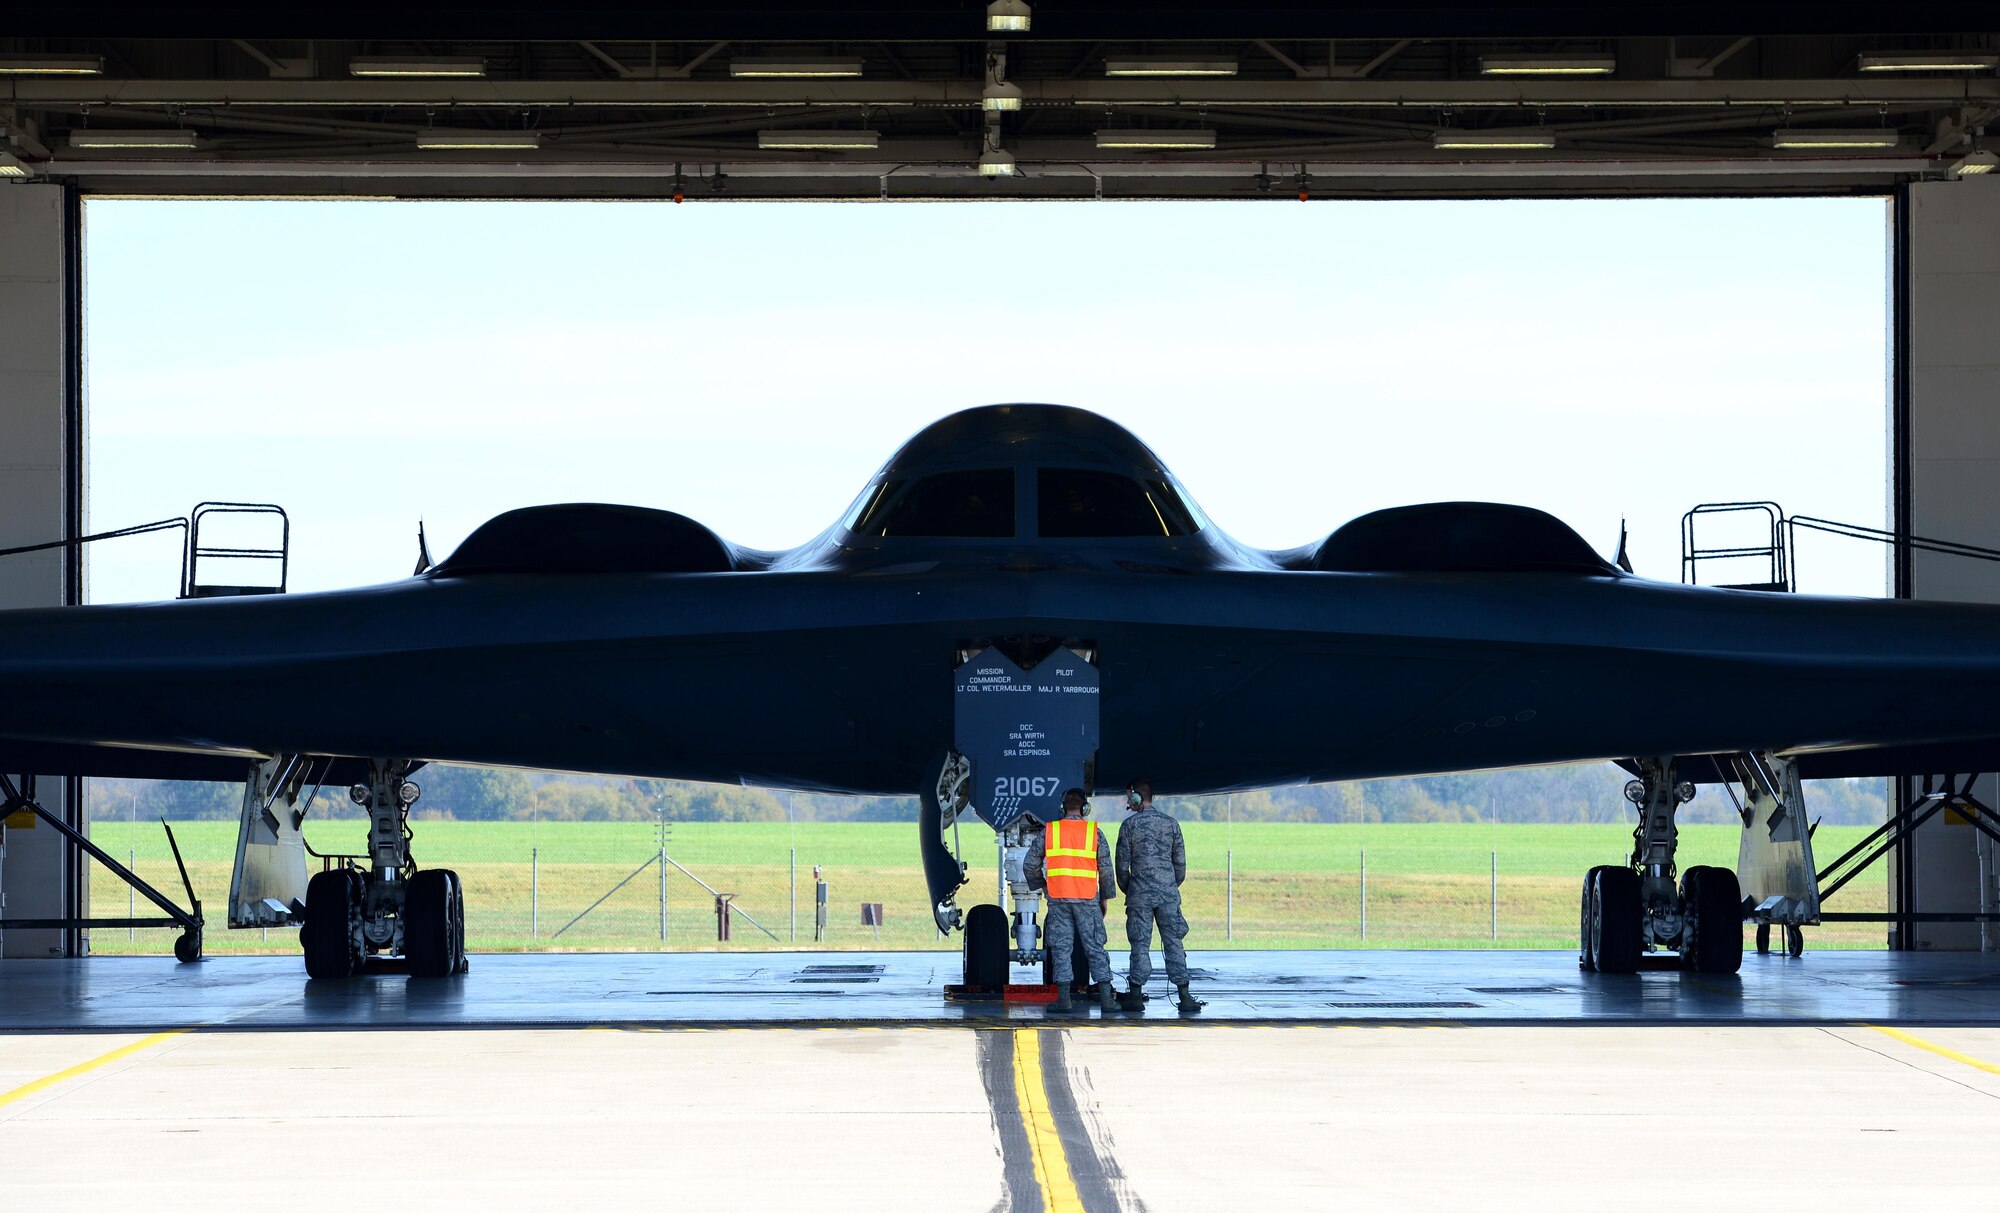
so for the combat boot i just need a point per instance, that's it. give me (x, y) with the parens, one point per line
(1188, 1004)
(1062, 1005)
(1105, 996)
(1133, 999)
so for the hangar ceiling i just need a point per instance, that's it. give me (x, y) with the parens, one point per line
(915, 100)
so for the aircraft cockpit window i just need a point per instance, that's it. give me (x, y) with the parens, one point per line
(869, 507)
(1073, 503)
(948, 505)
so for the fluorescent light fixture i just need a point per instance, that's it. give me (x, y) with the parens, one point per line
(51, 65)
(1938, 61)
(820, 141)
(100, 140)
(439, 139)
(1547, 65)
(1974, 164)
(996, 163)
(1531, 138)
(1007, 17)
(13, 167)
(400, 65)
(1830, 139)
(1168, 65)
(1196, 140)
(794, 69)
(1000, 95)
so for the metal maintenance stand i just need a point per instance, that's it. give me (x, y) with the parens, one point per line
(187, 949)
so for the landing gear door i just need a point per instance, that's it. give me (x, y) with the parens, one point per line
(269, 884)
(1029, 733)
(1774, 856)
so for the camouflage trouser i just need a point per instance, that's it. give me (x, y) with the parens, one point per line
(1141, 911)
(1067, 923)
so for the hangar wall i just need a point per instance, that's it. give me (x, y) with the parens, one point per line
(1950, 410)
(40, 500)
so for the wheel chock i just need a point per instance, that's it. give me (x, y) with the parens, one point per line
(1035, 993)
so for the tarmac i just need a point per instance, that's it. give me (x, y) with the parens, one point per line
(779, 1081)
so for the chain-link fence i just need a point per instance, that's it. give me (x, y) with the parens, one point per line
(597, 885)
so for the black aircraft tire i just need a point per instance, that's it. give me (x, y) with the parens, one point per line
(460, 964)
(1713, 904)
(1763, 938)
(1614, 935)
(187, 948)
(986, 947)
(1691, 883)
(427, 925)
(327, 936)
(1583, 957)
(1076, 954)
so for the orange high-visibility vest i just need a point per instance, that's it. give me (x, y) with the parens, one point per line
(1069, 850)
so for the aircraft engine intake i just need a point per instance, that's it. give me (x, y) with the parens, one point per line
(589, 538)
(1458, 537)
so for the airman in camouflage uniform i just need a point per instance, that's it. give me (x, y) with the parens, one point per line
(1073, 920)
(1152, 863)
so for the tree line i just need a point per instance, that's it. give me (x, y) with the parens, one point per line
(1592, 793)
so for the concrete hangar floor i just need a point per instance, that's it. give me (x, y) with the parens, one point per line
(841, 1080)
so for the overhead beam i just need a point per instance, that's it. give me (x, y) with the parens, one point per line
(1701, 69)
(1372, 66)
(32, 91)
(652, 71)
(758, 20)
(1055, 159)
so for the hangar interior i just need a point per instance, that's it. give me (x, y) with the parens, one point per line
(1272, 105)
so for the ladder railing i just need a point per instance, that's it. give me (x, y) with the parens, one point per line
(193, 549)
(193, 586)
(1779, 553)
(1774, 552)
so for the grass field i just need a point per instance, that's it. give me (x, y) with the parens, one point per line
(1293, 886)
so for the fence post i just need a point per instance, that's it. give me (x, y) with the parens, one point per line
(1229, 904)
(1493, 891)
(131, 897)
(663, 894)
(795, 894)
(1364, 894)
(534, 892)
(819, 905)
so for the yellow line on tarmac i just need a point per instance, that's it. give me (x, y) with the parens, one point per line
(1918, 1042)
(1059, 1194)
(43, 1084)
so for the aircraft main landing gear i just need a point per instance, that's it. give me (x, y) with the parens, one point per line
(1630, 910)
(391, 908)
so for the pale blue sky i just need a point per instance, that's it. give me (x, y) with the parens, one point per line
(750, 364)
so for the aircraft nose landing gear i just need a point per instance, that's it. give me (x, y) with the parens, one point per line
(391, 908)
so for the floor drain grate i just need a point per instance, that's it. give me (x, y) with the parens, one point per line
(824, 969)
(1519, 989)
(827, 980)
(1402, 1006)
